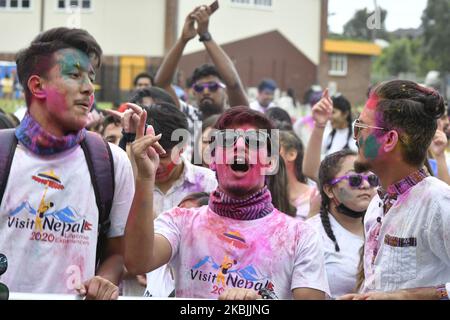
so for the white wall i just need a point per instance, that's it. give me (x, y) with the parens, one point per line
(122, 27)
(136, 27)
(297, 20)
(19, 27)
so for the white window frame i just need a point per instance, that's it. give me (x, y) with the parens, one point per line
(338, 64)
(252, 5)
(20, 8)
(68, 9)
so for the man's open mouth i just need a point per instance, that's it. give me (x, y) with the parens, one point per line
(240, 165)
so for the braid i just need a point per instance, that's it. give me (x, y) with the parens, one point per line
(326, 223)
(332, 134)
(350, 131)
(328, 170)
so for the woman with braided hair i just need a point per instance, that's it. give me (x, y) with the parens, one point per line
(345, 198)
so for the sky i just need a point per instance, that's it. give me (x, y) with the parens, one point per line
(401, 13)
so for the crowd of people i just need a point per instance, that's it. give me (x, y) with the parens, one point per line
(219, 197)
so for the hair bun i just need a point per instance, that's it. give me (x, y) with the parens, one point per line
(434, 104)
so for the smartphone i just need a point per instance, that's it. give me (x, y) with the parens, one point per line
(214, 6)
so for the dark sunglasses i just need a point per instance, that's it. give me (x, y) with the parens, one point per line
(254, 139)
(355, 180)
(212, 86)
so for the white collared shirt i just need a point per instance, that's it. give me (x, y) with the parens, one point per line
(255, 105)
(414, 239)
(193, 179)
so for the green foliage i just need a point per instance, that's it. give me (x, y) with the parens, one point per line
(436, 36)
(402, 55)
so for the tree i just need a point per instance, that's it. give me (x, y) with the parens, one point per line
(436, 37)
(356, 27)
(402, 56)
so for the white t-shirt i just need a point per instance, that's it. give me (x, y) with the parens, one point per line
(414, 241)
(255, 105)
(342, 266)
(160, 282)
(303, 203)
(211, 253)
(56, 253)
(339, 141)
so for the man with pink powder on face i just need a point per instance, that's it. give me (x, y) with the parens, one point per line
(238, 245)
(55, 253)
(407, 224)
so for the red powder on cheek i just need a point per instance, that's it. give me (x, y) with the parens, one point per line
(91, 101)
(168, 170)
(56, 98)
(170, 167)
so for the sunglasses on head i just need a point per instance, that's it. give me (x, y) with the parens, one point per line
(254, 139)
(355, 180)
(212, 86)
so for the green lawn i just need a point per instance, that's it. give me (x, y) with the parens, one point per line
(10, 106)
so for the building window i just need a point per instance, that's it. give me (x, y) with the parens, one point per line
(264, 4)
(338, 65)
(15, 5)
(74, 4)
(86, 4)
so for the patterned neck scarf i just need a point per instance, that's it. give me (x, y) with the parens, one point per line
(254, 207)
(40, 142)
(394, 190)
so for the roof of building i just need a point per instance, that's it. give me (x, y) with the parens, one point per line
(352, 47)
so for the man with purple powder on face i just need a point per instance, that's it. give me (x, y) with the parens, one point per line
(238, 245)
(49, 219)
(407, 224)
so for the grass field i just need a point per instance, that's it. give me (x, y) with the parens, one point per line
(10, 106)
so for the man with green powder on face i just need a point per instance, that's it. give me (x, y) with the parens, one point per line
(49, 213)
(407, 224)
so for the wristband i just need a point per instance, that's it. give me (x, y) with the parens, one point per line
(205, 37)
(319, 125)
(442, 291)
